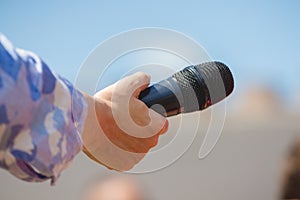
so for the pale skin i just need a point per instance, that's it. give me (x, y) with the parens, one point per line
(120, 129)
(114, 188)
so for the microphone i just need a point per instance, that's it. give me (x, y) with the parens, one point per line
(192, 89)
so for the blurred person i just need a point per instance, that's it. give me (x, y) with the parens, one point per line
(291, 175)
(114, 188)
(45, 121)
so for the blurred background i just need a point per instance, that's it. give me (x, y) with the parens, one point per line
(260, 42)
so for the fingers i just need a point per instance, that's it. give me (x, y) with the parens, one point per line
(139, 112)
(131, 116)
(128, 129)
(159, 124)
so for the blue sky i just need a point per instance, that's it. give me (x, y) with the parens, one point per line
(259, 40)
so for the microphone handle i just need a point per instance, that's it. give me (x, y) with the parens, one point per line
(163, 97)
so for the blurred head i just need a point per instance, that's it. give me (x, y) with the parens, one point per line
(291, 176)
(114, 188)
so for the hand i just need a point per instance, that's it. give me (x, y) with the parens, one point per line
(120, 129)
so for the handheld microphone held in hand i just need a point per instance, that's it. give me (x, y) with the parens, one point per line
(194, 88)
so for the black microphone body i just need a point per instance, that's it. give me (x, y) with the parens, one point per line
(194, 88)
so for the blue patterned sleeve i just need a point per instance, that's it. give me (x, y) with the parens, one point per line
(41, 116)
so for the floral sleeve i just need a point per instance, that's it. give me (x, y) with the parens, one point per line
(41, 116)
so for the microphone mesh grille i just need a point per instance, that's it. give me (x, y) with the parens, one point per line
(203, 85)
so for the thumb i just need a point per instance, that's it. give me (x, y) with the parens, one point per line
(132, 84)
(142, 81)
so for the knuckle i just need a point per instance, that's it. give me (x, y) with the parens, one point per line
(142, 75)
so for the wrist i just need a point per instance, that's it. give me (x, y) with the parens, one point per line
(93, 137)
